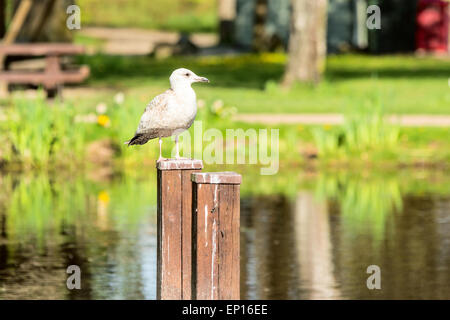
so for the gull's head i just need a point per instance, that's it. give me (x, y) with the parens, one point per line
(184, 77)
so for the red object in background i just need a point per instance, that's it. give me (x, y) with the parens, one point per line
(432, 25)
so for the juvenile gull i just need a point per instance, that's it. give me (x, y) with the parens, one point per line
(171, 112)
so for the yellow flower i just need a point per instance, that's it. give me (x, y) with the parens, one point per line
(103, 196)
(103, 120)
(327, 127)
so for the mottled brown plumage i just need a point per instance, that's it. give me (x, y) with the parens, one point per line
(151, 126)
(171, 112)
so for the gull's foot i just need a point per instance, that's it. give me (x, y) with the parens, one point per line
(181, 158)
(161, 159)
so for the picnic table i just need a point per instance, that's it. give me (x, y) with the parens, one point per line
(53, 76)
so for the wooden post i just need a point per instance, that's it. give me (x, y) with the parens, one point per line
(52, 69)
(215, 236)
(174, 228)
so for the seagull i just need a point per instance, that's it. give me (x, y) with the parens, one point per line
(171, 112)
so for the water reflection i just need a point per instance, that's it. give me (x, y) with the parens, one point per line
(313, 242)
(319, 243)
(106, 228)
(314, 248)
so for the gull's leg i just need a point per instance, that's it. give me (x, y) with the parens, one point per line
(177, 156)
(160, 152)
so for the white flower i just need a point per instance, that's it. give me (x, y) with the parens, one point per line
(91, 118)
(119, 98)
(86, 118)
(101, 108)
(201, 103)
(217, 105)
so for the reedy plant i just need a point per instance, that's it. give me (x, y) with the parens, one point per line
(363, 131)
(39, 132)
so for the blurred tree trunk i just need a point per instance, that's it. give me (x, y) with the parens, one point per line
(260, 41)
(227, 15)
(2, 18)
(307, 42)
(46, 22)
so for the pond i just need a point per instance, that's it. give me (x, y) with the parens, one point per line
(304, 235)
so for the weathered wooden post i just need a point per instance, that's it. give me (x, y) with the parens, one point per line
(174, 228)
(215, 235)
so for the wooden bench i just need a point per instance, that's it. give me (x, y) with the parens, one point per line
(53, 76)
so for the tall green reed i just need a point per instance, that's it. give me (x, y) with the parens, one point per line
(364, 131)
(38, 132)
(30, 130)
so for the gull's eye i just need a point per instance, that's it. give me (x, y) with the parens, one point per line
(187, 74)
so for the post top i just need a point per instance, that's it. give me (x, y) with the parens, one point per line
(179, 164)
(227, 177)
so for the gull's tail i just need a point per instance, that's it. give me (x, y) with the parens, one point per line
(132, 141)
(139, 138)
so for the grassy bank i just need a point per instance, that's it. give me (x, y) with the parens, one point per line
(402, 84)
(91, 128)
(42, 135)
(184, 15)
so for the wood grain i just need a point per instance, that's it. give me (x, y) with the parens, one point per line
(215, 238)
(169, 235)
(228, 241)
(186, 222)
(175, 229)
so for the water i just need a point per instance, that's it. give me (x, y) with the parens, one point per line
(307, 249)
(306, 237)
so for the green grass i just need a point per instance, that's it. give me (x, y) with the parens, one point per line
(402, 84)
(245, 83)
(88, 41)
(38, 138)
(177, 15)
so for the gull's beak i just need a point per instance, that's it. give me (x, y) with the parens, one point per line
(201, 79)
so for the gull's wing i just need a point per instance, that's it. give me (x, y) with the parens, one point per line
(154, 111)
(152, 116)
